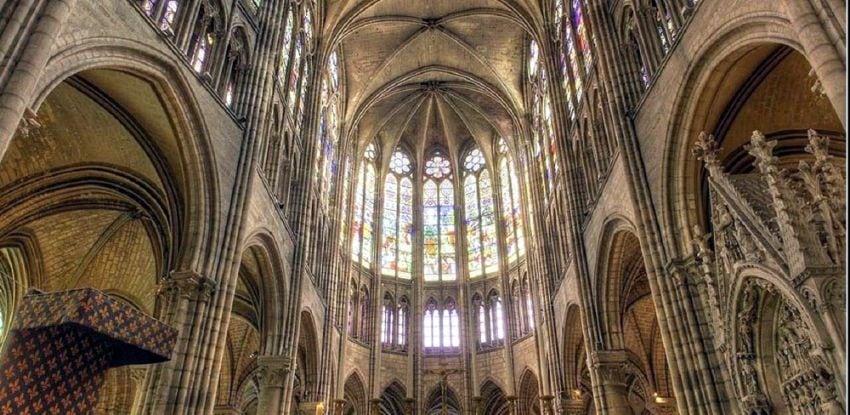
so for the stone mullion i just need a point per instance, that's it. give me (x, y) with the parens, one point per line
(694, 390)
(20, 71)
(504, 269)
(184, 23)
(648, 40)
(377, 275)
(415, 351)
(468, 345)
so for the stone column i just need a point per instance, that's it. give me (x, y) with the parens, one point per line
(339, 406)
(137, 376)
(409, 406)
(512, 405)
(477, 407)
(609, 389)
(23, 66)
(821, 52)
(546, 404)
(572, 407)
(272, 375)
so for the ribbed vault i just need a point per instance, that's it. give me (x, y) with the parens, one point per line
(438, 72)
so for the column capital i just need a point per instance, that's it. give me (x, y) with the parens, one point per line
(273, 370)
(610, 365)
(189, 284)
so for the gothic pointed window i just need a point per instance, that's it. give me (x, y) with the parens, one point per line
(328, 131)
(431, 325)
(202, 41)
(481, 251)
(168, 15)
(511, 205)
(387, 317)
(582, 37)
(529, 304)
(451, 325)
(286, 47)
(438, 211)
(362, 223)
(397, 223)
(497, 317)
(481, 316)
(402, 313)
(307, 27)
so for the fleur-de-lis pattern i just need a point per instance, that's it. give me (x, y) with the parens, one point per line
(56, 355)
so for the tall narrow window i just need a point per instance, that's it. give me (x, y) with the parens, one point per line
(201, 43)
(364, 208)
(387, 314)
(482, 256)
(431, 325)
(148, 6)
(581, 34)
(478, 303)
(168, 15)
(451, 325)
(543, 135)
(439, 262)
(397, 230)
(328, 132)
(497, 318)
(562, 59)
(286, 47)
(529, 304)
(511, 205)
(401, 322)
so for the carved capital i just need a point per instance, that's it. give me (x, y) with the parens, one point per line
(189, 284)
(137, 374)
(610, 366)
(273, 371)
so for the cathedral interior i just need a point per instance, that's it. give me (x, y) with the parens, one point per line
(478, 207)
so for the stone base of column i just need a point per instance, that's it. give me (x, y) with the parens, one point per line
(312, 408)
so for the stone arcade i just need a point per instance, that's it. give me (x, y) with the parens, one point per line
(439, 207)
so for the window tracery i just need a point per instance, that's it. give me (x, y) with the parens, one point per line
(362, 223)
(511, 205)
(397, 224)
(481, 250)
(328, 132)
(438, 211)
(441, 326)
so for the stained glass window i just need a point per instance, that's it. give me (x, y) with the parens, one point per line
(581, 34)
(571, 53)
(511, 205)
(328, 131)
(482, 251)
(344, 201)
(362, 220)
(287, 45)
(167, 22)
(439, 261)
(294, 75)
(397, 231)
(533, 58)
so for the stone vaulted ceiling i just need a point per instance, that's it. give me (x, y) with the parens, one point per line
(431, 71)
